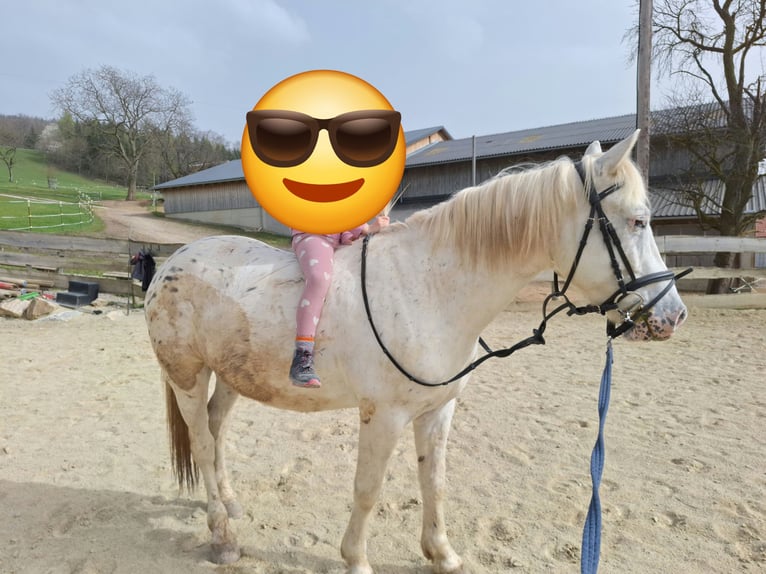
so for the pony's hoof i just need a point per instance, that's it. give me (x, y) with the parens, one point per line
(225, 553)
(359, 570)
(459, 570)
(233, 509)
(450, 567)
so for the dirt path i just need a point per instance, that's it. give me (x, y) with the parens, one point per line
(135, 220)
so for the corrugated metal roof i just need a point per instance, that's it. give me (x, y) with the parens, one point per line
(562, 136)
(232, 170)
(229, 171)
(702, 117)
(669, 203)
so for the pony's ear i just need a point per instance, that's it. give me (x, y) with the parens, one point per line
(593, 149)
(608, 162)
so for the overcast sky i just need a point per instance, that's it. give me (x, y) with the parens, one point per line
(474, 66)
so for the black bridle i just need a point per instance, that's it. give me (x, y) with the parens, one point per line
(625, 300)
(620, 300)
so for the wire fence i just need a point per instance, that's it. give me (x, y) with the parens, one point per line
(64, 193)
(26, 214)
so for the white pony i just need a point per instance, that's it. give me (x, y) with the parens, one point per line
(226, 305)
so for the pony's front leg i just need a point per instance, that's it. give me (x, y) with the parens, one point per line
(379, 431)
(431, 432)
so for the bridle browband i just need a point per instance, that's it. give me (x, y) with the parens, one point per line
(630, 314)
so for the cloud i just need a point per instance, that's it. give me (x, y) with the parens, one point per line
(268, 20)
(462, 38)
(453, 28)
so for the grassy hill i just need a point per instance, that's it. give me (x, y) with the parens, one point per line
(31, 172)
(30, 203)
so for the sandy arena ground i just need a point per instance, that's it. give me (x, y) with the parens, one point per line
(85, 484)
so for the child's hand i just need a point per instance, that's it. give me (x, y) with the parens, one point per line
(380, 222)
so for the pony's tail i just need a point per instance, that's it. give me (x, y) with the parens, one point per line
(184, 468)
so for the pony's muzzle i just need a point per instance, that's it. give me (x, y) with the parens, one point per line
(656, 326)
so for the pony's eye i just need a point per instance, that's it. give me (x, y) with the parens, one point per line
(638, 223)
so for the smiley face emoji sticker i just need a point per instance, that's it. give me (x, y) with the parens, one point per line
(323, 151)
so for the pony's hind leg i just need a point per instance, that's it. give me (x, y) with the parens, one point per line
(192, 404)
(219, 409)
(431, 432)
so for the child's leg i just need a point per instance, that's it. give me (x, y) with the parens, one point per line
(315, 256)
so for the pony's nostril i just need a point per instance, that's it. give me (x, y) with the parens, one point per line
(680, 318)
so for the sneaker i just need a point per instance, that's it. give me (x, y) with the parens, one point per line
(302, 370)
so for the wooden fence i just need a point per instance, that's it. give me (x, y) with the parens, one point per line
(59, 258)
(751, 290)
(54, 260)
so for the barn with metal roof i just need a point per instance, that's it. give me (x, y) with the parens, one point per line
(438, 166)
(220, 194)
(436, 171)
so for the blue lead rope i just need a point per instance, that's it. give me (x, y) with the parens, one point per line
(591, 535)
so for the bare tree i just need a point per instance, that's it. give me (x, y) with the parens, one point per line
(714, 49)
(191, 150)
(128, 109)
(10, 141)
(23, 131)
(8, 157)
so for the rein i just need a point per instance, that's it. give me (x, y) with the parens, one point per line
(614, 248)
(591, 532)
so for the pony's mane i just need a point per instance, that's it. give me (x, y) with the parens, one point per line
(517, 213)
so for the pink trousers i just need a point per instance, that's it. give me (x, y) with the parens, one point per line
(315, 255)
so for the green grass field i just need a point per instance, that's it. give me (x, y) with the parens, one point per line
(18, 213)
(30, 175)
(28, 203)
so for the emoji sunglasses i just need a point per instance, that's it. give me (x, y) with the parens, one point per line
(284, 138)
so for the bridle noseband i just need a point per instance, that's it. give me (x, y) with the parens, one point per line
(625, 300)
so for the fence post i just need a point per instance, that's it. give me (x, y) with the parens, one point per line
(29, 213)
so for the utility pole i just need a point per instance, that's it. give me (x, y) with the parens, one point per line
(643, 81)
